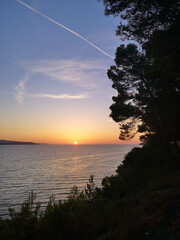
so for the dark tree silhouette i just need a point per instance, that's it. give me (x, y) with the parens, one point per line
(147, 81)
(141, 18)
(135, 106)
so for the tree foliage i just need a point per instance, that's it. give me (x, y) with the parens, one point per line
(147, 79)
(141, 18)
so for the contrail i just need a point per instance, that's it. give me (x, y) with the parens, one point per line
(68, 29)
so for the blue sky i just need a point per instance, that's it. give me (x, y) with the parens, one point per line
(53, 85)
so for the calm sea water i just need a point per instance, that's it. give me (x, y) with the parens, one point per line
(48, 170)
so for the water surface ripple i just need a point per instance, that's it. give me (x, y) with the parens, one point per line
(53, 169)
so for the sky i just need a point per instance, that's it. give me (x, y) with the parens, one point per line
(53, 77)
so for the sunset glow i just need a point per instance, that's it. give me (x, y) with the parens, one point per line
(75, 142)
(57, 91)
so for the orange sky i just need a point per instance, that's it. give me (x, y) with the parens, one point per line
(53, 85)
(54, 128)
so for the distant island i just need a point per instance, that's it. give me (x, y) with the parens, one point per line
(8, 142)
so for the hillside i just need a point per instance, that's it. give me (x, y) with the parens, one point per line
(9, 142)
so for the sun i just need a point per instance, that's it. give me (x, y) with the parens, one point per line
(75, 142)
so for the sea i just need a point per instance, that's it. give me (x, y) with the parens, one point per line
(53, 169)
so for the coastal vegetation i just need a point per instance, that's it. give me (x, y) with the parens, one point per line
(142, 200)
(146, 74)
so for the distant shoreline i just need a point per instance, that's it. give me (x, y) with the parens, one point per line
(6, 142)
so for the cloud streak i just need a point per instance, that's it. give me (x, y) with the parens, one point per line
(20, 89)
(21, 93)
(53, 96)
(72, 71)
(66, 28)
(82, 73)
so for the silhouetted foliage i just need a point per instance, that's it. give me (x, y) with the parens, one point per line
(140, 202)
(140, 19)
(147, 80)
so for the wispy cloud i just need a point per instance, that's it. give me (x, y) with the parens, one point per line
(53, 96)
(20, 93)
(82, 73)
(20, 89)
